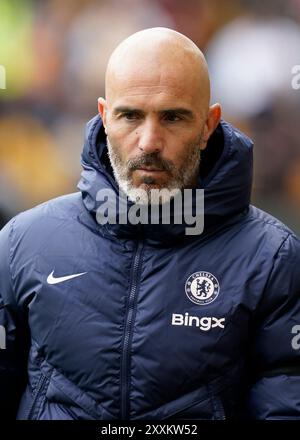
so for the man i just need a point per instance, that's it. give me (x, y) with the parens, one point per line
(128, 320)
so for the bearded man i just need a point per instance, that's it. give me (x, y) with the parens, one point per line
(136, 320)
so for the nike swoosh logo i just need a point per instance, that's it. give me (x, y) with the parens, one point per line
(53, 280)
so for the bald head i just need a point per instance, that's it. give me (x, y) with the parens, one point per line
(158, 57)
(156, 114)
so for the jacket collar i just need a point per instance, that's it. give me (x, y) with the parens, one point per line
(225, 175)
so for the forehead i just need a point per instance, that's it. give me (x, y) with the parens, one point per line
(157, 87)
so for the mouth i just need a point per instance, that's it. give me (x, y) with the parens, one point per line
(151, 170)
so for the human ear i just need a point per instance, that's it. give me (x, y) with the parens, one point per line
(102, 110)
(211, 123)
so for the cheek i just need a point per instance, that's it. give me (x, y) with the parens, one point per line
(120, 130)
(180, 150)
(122, 143)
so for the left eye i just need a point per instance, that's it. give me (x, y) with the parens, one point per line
(172, 117)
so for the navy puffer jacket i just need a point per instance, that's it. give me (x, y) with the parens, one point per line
(154, 324)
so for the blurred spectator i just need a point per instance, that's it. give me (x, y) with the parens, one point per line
(200, 19)
(250, 62)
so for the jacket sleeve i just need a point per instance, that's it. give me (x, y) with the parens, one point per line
(13, 335)
(275, 390)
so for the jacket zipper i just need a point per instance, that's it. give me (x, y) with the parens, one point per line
(218, 408)
(38, 390)
(125, 366)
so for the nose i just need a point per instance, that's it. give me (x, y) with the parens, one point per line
(150, 137)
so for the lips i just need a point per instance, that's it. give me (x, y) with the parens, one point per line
(150, 169)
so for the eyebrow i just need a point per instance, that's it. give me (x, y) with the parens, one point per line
(178, 110)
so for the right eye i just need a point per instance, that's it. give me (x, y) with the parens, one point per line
(130, 116)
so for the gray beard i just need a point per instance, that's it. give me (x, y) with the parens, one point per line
(180, 179)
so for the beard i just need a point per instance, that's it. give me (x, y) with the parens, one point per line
(150, 191)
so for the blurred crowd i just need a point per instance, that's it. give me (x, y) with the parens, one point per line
(55, 52)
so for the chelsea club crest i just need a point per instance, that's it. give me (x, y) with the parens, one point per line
(202, 288)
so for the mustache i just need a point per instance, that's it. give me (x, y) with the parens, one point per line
(150, 160)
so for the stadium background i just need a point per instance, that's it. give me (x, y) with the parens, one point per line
(54, 54)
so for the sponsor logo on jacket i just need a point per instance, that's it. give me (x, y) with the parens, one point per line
(204, 323)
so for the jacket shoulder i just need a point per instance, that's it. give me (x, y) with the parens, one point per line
(274, 232)
(63, 207)
(36, 226)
